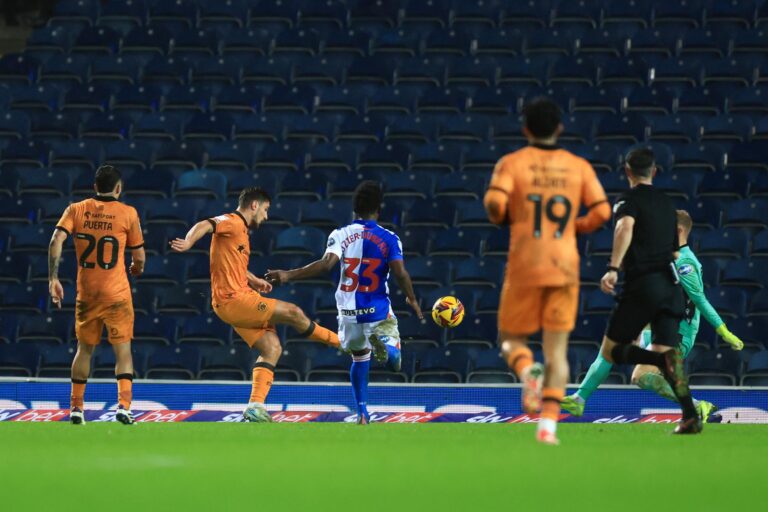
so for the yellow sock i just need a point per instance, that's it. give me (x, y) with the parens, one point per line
(263, 375)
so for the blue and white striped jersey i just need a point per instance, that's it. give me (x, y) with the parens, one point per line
(365, 250)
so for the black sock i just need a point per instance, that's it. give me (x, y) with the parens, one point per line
(630, 354)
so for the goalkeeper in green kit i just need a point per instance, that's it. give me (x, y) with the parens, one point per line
(648, 377)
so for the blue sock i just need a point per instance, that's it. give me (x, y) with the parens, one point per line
(358, 374)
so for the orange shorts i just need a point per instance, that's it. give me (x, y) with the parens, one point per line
(91, 318)
(249, 314)
(528, 309)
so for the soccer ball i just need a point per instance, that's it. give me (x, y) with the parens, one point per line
(448, 312)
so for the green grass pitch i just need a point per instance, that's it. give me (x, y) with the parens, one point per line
(453, 467)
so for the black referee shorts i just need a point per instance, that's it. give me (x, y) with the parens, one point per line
(650, 299)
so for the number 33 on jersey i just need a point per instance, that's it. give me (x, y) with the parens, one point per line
(365, 250)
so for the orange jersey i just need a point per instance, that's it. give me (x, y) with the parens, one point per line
(543, 189)
(230, 249)
(103, 228)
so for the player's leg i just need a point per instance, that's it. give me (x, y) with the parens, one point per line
(596, 375)
(88, 329)
(555, 346)
(291, 315)
(666, 335)
(118, 319)
(598, 371)
(384, 337)
(559, 310)
(81, 369)
(354, 338)
(263, 374)
(124, 378)
(519, 316)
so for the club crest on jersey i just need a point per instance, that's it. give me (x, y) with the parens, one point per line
(685, 269)
(617, 206)
(262, 306)
(331, 242)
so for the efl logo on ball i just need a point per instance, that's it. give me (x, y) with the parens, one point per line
(448, 312)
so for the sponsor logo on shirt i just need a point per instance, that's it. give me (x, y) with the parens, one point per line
(357, 312)
(685, 269)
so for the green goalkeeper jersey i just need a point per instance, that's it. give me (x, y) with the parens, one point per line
(696, 304)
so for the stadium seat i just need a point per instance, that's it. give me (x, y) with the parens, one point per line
(480, 331)
(441, 365)
(329, 365)
(302, 241)
(488, 367)
(232, 364)
(19, 361)
(748, 213)
(756, 372)
(180, 363)
(714, 368)
(759, 304)
(205, 330)
(56, 362)
(55, 328)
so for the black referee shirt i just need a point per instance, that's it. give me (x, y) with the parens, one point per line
(654, 238)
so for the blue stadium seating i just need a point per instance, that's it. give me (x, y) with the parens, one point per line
(195, 100)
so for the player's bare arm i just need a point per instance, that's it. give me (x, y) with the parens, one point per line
(138, 260)
(54, 259)
(403, 279)
(322, 266)
(622, 238)
(258, 284)
(197, 232)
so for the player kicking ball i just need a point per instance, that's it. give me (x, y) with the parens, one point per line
(367, 253)
(103, 228)
(236, 294)
(648, 377)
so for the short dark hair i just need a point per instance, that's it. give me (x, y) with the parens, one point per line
(542, 117)
(368, 198)
(641, 162)
(250, 194)
(107, 178)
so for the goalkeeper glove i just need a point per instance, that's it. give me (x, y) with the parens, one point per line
(729, 337)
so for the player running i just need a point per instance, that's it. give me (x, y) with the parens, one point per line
(539, 190)
(367, 252)
(648, 377)
(236, 294)
(103, 228)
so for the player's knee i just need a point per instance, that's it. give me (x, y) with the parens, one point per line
(296, 316)
(271, 348)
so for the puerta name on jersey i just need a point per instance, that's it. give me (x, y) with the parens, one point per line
(98, 220)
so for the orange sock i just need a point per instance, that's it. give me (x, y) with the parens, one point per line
(319, 333)
(520, 360)
(124, 390)
(550, 402)
(77, 397)
(263, 375)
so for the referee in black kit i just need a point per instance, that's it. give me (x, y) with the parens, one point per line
(644, 245)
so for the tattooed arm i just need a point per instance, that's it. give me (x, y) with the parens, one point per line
(54, 259)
